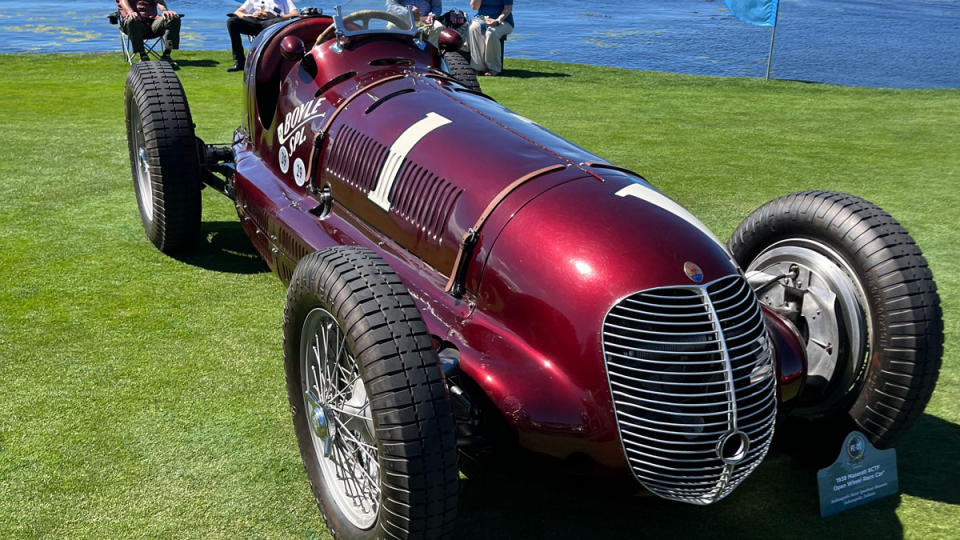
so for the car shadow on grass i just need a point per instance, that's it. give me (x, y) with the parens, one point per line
(527, 74)
(927, 460)
(779, 500)
(202, 62)
(224, 247)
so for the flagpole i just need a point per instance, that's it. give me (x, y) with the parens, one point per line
(773, 36)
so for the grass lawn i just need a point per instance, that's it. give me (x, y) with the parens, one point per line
(142, 395)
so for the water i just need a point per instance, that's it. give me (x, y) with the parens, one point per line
(882, 43)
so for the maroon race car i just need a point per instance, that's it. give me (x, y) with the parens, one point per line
(460, 277)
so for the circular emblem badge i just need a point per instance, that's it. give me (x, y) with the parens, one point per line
(693, 272)
(299, 172)
(284, 159)
(855, 448)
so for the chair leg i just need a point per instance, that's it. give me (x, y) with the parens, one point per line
(126, 47)
(152, 45)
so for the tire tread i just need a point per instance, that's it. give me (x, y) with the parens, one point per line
(154, 92)
(909, 345)
(408, 397)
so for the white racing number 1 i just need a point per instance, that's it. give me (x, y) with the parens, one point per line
(656, 198)
(398, 153)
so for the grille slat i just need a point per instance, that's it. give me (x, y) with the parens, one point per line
(751, 331)
(658, 351)
(674, 432)
(695, 309)
(674, 343)
(688, 366)
(634, 435)
(678, 460)
(671, 383)
(659, 423)
(656, 322)
(692, 452)
(647, 331)
(744, 378)
(646, 400)
(655, 372)
(758, 392)
(723, 289)
(686, 483)
(748, 354)
(755, 312)
(678, 469)
(661, 362)
(672, 394)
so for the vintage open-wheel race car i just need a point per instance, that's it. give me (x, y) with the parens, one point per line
(462, 278)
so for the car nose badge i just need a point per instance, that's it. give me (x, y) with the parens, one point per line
(693, 272)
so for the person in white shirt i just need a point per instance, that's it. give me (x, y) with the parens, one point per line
(251, 18)
(425, 13)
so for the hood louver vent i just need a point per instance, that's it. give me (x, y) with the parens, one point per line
(356, 159)
(419, 196)
(424, 199)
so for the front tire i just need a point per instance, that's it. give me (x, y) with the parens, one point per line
(163, 156)
(862, 295)
(369, 404)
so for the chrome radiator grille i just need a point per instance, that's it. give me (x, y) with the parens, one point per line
(693, 384)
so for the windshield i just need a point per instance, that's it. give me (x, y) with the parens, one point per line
(373, 16)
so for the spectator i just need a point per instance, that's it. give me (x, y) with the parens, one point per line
(425, 13)
(140, 17)
(251, 18)
(494, 21)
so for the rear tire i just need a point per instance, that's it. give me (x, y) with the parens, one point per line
(459, 67)
(867, 270)
(163, 156)
(348, 311)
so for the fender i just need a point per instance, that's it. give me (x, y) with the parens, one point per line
(791, 358)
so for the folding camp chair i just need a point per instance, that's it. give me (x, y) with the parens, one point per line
(152, 44)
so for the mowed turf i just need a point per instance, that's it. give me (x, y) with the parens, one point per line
(142, 395)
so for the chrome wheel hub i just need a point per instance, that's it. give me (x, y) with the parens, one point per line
(340, 421)
(320, 425)
(814, 286)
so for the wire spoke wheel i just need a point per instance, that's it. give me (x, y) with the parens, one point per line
(341, 423)
(142, 169)
(369, 403)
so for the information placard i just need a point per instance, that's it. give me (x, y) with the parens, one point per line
(859, 475)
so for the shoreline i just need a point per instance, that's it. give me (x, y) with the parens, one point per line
(190, 52)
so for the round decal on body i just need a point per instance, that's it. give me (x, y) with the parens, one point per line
(284, 159)
(299, 172)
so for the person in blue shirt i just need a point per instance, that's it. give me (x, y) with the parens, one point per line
(494, 20)
(425, 13)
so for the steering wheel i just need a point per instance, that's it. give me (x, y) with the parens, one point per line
(364, 17)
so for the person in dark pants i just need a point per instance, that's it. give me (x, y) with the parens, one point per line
(140, 17)
(251, 18)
